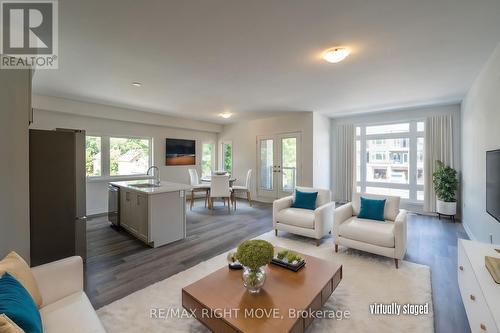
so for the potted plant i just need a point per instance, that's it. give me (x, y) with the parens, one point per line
(445, 185)
(254, 255)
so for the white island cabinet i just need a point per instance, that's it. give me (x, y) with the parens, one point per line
(155, 214)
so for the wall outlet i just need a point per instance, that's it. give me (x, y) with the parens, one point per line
(491, 238)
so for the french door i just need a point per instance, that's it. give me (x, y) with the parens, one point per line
(279, 167)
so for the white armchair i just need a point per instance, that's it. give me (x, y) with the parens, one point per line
(310, 223)
(387, 238)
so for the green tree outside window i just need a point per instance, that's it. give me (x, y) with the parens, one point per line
(119, 147)
(93, 156)
(227, 151)
(206, 159)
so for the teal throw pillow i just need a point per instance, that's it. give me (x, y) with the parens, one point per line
(17, 304)
(305, 200)
(372, 209)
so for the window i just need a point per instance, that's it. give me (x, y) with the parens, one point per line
(388, 191)
(358, 157)
(207, 153)
(93, 156)
(386, 129)
(227, 156)
(266, 164)
(117, 156)
(128, 156)
(420, 126)
(379, 174)
(390, 159)
(420, 161)
(289, 163)
(392, 156)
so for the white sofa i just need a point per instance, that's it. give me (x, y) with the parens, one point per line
(65, 307)
(385, 238)
(310, 223)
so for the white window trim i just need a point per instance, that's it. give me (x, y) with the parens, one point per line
(105, 158)
(413, 135)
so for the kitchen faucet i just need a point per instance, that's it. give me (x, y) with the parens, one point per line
(157, 174)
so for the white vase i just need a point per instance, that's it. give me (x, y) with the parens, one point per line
(446, 208)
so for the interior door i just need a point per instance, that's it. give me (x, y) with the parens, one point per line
(278, 164)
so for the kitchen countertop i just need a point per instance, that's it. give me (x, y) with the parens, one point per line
(164, 186)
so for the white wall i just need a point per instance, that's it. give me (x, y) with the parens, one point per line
(321, 151)
(244, 138)
(419, 113)
(114, 113)
(480, 128)
(15, 94)
(97, 195)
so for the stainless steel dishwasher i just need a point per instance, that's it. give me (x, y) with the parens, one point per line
(114, 205)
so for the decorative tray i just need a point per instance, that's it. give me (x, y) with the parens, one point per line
(493, 266)
(287, 265)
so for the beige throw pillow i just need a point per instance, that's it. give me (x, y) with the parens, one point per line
(19, 269)
(8, 326)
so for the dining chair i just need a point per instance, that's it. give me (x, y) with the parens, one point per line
(197, 186)
(219, 188)
(244, 188)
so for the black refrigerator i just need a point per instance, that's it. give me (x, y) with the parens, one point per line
(57, 195)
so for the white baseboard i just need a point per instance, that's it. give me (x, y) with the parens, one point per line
(265, 200)
(468, 232)
(93, 212)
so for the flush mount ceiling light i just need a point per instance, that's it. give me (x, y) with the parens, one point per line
(136, 84)
(336, 54)
(225, 115)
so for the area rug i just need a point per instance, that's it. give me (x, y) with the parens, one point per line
(367, 280)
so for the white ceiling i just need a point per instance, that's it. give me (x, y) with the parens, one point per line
(197, 58)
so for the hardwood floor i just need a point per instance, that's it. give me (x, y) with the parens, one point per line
(433, 242)
(118, 264)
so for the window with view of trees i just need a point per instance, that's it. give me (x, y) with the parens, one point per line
(207, 153)
(93, 156)
(117, 156)
(390, 159)
(128, 156)
(227, 156)
(289, 163)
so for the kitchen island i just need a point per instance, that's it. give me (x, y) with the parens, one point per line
(153, 212)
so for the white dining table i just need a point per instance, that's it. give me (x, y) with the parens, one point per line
(208, 179)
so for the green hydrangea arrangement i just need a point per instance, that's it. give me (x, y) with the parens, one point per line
(255, 253)
(282, 254)
(289, 255)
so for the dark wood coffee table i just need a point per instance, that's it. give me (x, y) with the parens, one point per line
(221, 302)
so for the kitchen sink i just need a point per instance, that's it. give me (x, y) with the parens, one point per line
(144, 185)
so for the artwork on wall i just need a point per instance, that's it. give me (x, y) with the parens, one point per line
(180, 152)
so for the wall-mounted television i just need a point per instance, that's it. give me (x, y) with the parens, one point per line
(180, 152)
(493, 183)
